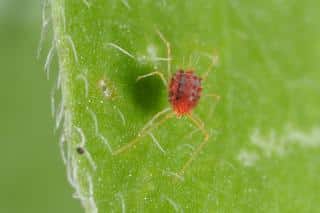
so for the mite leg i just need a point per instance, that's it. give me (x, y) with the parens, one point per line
(145, 130)
(194, 154)
(152, 74)
(198, 149)
(168, 53)
(214, 63)
(213, 96)
(155, 117)
(199, 124)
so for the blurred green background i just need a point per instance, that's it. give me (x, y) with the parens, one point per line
(32, 177)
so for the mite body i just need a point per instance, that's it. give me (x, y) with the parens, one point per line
(184, 92)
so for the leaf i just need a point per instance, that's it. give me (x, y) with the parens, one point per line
(263, 149)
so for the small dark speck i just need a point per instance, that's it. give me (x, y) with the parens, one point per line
(80, 150)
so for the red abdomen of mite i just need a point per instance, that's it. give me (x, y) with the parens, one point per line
(184, 92)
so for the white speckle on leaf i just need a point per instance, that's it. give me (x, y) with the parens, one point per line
(270, 144)
(277, 144)
(247, 158)
(152, 51)
(107, 91)
(151, 56)
(309, 139)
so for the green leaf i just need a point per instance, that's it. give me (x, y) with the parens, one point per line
(263, 151)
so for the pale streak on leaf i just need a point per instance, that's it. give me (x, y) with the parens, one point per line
(174, 204)
(173, 174)
(92, 204)
(120, 115)
(82, 145)
(105, 141)
(60, 114)
(73, 48)
(44, 29)
(122, 202)
(95, 120)
(120, 49)
(86, 84)
(49, 60)
(156, 142)
(86, 2)
(126, 4)
(62, 142)
(52, 101)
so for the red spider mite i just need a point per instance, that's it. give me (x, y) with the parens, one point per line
(184, 92)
